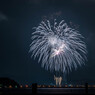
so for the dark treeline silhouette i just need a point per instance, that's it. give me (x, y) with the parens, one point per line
(7, 82)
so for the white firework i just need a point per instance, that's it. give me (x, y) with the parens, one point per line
(58, 47)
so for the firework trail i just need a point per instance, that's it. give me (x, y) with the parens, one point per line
(58, 47)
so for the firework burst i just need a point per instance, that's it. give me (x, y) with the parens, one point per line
(58, 47)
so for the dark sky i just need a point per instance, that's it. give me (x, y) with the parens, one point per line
(18, 17)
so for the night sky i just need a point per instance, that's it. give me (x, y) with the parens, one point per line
(18, 17)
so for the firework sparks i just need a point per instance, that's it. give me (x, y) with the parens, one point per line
(58, 47)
